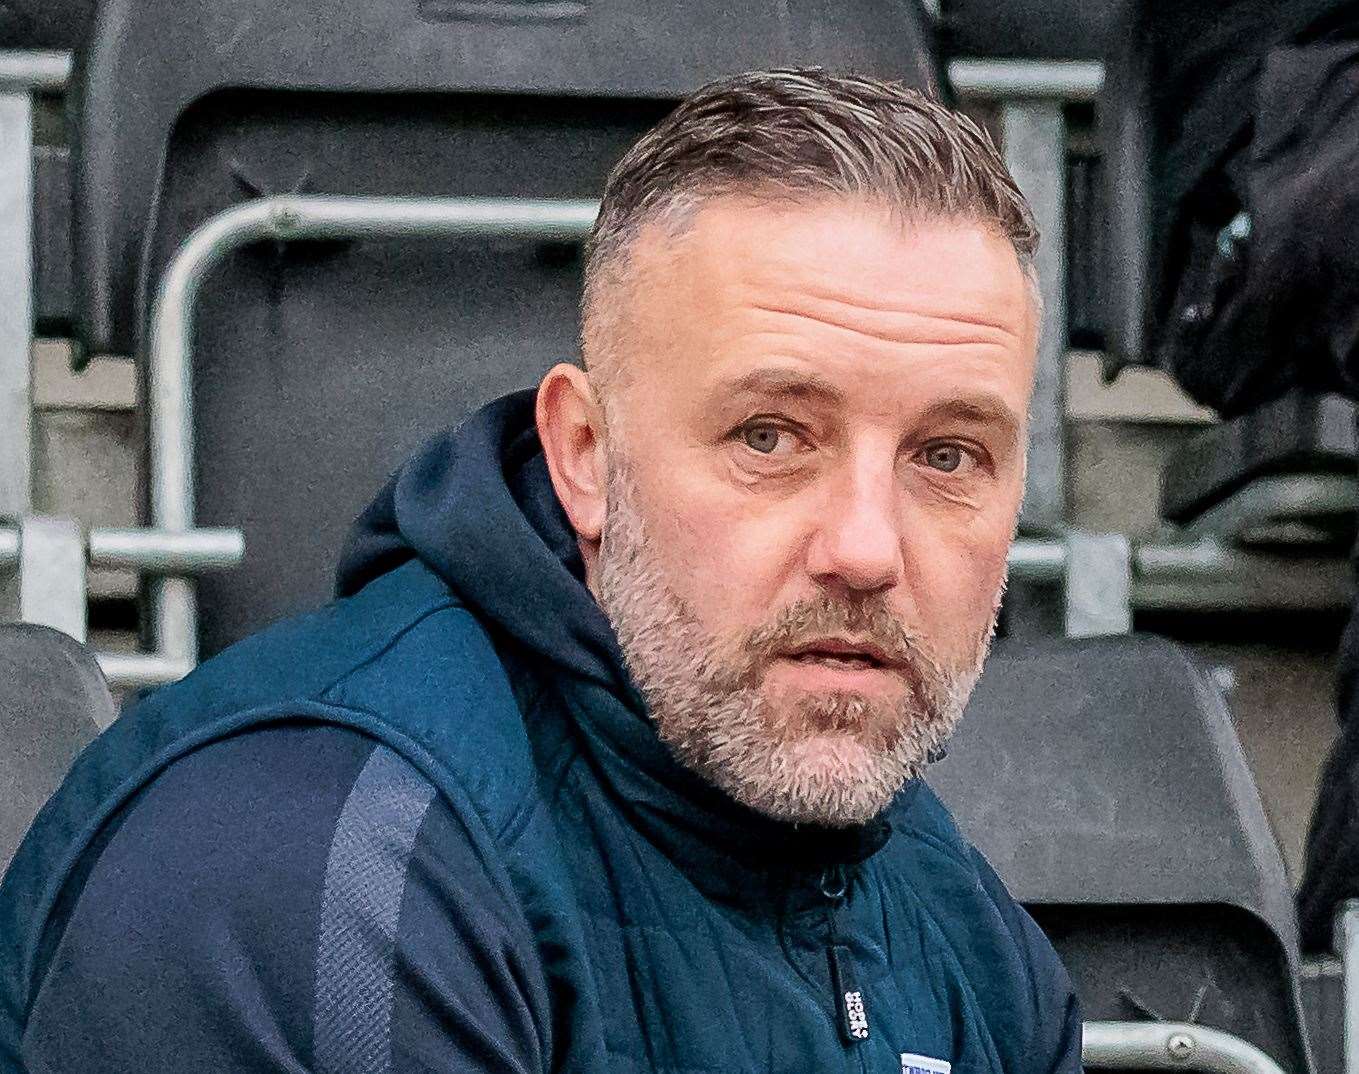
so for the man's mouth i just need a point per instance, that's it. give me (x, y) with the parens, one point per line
(840, 653)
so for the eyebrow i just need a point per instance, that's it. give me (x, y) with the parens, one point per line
(786, 382)
(978, 408)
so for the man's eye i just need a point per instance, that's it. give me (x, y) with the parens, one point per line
(944, 457)
(764, 438)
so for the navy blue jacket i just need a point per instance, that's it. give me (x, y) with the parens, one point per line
(430, 828)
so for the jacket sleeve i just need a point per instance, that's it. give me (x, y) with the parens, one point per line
(293, 899)
(1053, 1012)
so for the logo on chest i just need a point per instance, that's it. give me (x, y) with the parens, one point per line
(856, 1018)
(923, 1064)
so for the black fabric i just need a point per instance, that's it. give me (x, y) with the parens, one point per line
(1256, 113)
(1331, 872)
(1252, 168)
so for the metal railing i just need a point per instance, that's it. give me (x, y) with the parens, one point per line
(1346, 943)
(170, 361)
(34, 70)
(1027, 80)
(1030, 93)
(1171, 1046)
(1031, 99)
(1113, 577)
(1030, 96)
(1017, 80)
(21, 73)
(1106, 576)
(49, 559)
(153, 551)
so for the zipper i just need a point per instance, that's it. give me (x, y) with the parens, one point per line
(850, 1005)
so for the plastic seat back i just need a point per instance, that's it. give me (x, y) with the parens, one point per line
(53, 702)
(1104, 781)
(321, 366)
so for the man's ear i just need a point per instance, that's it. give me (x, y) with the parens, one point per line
(571, 428)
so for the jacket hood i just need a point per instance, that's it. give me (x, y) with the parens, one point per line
(476, 505)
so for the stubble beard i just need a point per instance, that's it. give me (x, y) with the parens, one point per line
(834, 758)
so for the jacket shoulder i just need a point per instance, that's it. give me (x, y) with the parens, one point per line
(289, 847)
(303, 656)
(402, 662)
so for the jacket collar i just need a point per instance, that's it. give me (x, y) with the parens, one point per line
(729, 851)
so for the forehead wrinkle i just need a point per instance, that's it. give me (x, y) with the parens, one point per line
(783, 281)
(899, 326)
(923, 308)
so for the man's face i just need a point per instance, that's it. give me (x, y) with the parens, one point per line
(815, 461)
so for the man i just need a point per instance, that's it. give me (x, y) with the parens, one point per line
(609, 757)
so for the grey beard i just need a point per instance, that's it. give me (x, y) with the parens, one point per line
(836, 759)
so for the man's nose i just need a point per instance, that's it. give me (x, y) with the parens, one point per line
(858, 539)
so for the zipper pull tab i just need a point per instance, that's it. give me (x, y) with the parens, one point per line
(834, 884)
(849, 997)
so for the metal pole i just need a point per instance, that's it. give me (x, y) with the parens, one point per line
(1038, 560)
(52, 575)
(1017, 80)
(1070, 80)
(1347, 947)
(1033, 132)
(153, 551)
(158, 552)
(1204, 558)
(16, 303)
(25, 69)
(1203, 574)
(124, 670)
(22, 73)
(1171, 1046)
(1034, 136)
(1098, 594)
(1207, 574)
(283, 218)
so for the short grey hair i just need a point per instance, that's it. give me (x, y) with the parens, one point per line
(793, 134)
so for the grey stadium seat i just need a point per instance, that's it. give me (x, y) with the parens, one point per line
(53, 702)
(45, 24)
(1104, 781)
(320, 366)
